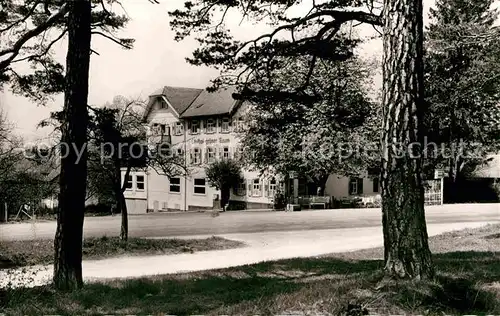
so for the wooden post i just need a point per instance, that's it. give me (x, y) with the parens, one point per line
(441, 181)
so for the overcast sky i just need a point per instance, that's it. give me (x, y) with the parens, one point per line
(156, 60)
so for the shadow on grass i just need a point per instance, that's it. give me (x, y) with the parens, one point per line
(32, 252)
(274, 287)
(472, 265)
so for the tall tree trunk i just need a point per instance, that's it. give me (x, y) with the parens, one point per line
(120, 201)
(225, 193)
(454, 167)
(407, 253)
(124, 224)
(321, 184)
(73, 176)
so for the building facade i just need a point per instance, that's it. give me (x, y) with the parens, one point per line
(202, 127)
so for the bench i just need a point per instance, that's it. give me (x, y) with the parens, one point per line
(319, 200)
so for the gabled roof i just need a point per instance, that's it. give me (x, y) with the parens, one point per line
(192, 102)
(179, 98)
(215, 103)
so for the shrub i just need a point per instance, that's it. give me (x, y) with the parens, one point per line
(98, 209)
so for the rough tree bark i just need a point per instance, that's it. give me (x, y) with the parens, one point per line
(407, 253)
(73, 176)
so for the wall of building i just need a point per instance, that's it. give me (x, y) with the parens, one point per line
(136, 196)
(338, 187)
(160, 198)
(253, 198)
(136, 206)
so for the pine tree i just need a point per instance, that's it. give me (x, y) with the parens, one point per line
(314, 36)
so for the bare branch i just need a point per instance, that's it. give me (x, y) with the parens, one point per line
(222, 18)
(117, 41)
(339, 16)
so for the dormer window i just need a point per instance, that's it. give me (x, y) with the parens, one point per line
(163, 104)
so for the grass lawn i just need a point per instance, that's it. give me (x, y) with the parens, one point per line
(468, 282)
(33, 252)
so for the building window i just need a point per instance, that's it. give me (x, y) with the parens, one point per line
(256, 188)
(240, 188)
(210, 126)
(199, 186)
(175, 185)
(375, 185)
(210, 154)
(196, 158)
(355, 186)
(225, 125)
(156, 129)
(225, 153)
(195, 127)
(179, 152)
(128, 182)
(179, 128)
(139, 182)
(272, 188)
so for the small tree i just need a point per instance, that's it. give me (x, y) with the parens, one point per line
(118, 142)
(223, 175)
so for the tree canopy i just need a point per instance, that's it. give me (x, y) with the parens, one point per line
(462, 83)
(318, 139)
(312, 36)
(223, 175)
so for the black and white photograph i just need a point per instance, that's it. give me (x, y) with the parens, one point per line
(250, 157)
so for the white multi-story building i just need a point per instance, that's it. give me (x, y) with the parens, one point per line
(202, 127)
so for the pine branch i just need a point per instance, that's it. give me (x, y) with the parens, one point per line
(18, 45)
(125, 43)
